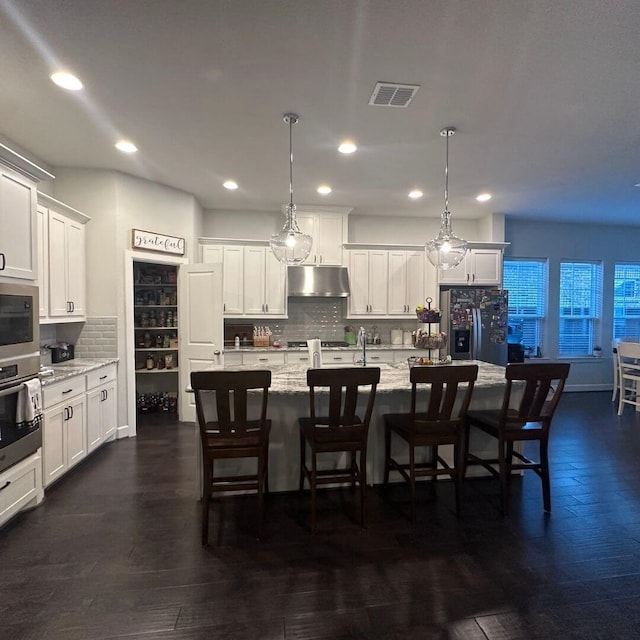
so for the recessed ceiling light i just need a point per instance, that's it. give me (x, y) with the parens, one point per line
(483, 197)
(126, 147)
(347, 147)
(415, 194)
(324, 189)
(232, 185)
(66, 80)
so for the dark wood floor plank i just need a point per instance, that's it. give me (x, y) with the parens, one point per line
(114, 551)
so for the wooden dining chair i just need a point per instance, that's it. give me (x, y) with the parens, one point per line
(531, 396)
(227, 431)
(628, 374)
(616, 369)
(440, 397)
(334, 426)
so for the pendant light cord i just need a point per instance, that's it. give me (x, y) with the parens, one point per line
(290, 161)
(446, 175)
(291, 119)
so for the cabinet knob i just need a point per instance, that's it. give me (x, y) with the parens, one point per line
(217, 352)
(3, 261)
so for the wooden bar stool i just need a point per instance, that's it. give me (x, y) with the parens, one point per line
(440, 397)
(526, 419)
(227, 432)
(339, 429)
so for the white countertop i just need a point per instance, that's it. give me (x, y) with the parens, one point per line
(292, 379)
(353, 348)
(71, 368)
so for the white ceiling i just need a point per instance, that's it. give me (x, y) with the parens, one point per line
(545, 95)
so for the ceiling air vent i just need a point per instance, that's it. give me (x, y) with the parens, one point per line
(392, 94)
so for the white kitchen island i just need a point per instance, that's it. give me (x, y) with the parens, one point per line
(289, 399)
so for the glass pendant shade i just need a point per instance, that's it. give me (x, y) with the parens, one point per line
(446, 250)
(290, 245)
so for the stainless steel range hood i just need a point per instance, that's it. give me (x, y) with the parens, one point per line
(319, 282)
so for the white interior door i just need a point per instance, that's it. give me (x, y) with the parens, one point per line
(201, 327)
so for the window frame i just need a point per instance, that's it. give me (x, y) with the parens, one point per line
(579, 328)
(534, 319)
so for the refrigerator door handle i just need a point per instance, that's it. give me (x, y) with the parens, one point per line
(477, 334)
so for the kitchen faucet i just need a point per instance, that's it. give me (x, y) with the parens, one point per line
(362, 342)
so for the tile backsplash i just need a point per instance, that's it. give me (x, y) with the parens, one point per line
(95, 338)
(326, 319)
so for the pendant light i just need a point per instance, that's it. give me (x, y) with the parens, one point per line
(446, 250)
(290, 245)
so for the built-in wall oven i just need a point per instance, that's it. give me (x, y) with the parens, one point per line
(19, 363)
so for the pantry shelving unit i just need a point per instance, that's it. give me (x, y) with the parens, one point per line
(155, 305)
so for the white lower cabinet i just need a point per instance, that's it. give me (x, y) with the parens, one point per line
(80, 414)
(266, 358)
(102, 403)
(297, 357)
(401, 355)
(232, 359)
(64, 437)
(378, 357)
(20, 485)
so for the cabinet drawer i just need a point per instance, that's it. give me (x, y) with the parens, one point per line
(63, 391)
(374, 357)
(101, 376)
(297, 357)
(263, 358)
(330, 358)
(19, 485)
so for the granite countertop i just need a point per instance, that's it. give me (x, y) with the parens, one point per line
(71, 368)
(370, 347)
(292, 379)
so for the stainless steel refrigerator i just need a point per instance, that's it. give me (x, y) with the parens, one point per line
(475, 319)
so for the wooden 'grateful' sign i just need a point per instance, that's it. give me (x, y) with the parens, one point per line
(150, 241)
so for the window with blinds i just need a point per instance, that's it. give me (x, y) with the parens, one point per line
(526, 281)
(580, 307)
(626, 301)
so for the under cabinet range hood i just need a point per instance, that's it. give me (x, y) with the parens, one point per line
(318, 282)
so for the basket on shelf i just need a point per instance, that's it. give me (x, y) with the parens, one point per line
(431, 341)
(427, 316)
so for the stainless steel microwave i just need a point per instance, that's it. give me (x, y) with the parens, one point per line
(19, 321)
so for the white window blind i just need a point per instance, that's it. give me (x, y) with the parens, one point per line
(580, 307)
(526, 281)
(626, 301)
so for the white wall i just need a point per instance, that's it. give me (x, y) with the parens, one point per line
(260, 225)
(94, 193)
(557, 242)
(118, 203)
(250, 225)
(405, 230)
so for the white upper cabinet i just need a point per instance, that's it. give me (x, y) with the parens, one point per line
(254, 281)
(65, 252)
(18, 236)
(329, 232)
(264, 283)
(42, 230)
(368, 281)
(480, 266)
(406, 282)
(232, 259)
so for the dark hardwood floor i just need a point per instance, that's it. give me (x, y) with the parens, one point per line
(114, 551)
